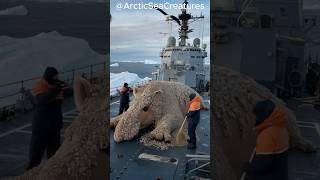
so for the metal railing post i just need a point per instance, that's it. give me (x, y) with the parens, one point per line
(73, 75)
(105, 69)
(91, 71)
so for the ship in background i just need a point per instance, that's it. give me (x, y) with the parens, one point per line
(182, 61)
(266, 39)
(270, 41)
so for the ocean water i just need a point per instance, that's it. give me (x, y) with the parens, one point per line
(86, 21)
(141, 69)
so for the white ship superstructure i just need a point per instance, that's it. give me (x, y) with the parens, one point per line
(182, 61)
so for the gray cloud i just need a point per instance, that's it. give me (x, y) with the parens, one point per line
(136, 34)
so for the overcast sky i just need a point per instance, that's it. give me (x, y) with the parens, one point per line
(311, 4)
(136, 34)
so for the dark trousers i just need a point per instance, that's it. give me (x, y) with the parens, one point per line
(123, 107)
(269, 167)
(192, 126)
(41, 141)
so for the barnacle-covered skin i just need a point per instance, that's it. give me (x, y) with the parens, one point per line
(234, 97)
(159, 103)
(83, 153)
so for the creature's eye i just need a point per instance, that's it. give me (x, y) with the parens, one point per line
(145, 108)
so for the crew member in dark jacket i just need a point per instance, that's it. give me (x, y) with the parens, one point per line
(271, 158)
(193, 117)
(124, 92)
(49, 93)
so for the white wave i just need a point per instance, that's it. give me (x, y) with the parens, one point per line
(118, 79)
(114, 65)
(146, 61)
(15, 11)
(33, 54)
(23, 58)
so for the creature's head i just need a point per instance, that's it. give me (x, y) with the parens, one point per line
(139, 114)
(88, 95)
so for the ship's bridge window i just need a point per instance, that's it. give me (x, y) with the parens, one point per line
(192, 56)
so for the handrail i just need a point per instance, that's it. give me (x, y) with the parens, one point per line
(38, 77)
(74, 70)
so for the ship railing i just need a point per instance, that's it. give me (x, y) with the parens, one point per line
(19, 98)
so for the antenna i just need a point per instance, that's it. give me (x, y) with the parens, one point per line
(170, 22)
(184, 17)
(164, 36)
(202, 31)
(182, 21)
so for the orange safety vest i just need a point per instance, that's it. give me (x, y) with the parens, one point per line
(272, 133)
(195, 104)
(43, 86)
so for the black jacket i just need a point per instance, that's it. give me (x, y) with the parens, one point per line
(48, 111)
(125, 97)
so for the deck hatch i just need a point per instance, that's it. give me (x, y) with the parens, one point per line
(153, 157)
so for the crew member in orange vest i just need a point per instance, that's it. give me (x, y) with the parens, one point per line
(49, 92)
(124, 92)
(271, 158)
(193, 117)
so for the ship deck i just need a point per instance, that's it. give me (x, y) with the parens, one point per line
(306, 166)
(126, 164)
(15, 137)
